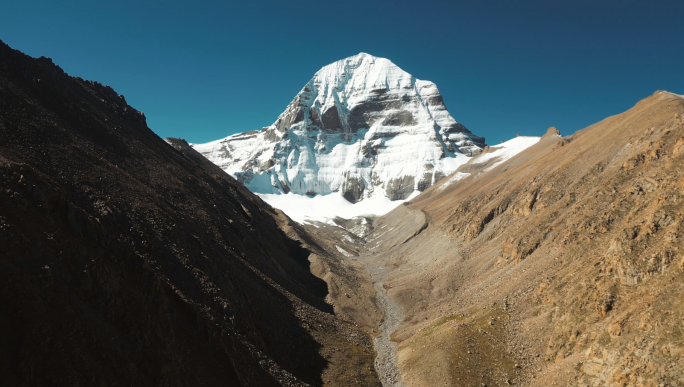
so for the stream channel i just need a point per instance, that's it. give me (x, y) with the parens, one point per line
(387, 359)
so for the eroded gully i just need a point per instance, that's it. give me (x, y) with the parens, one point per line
(387, 359)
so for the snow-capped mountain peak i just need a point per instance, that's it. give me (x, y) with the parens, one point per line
(360, 127)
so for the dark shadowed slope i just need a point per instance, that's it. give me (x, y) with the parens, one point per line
(122, 260)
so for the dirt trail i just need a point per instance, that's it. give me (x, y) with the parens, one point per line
(386, 362)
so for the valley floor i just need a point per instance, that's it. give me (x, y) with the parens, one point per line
(387, 359)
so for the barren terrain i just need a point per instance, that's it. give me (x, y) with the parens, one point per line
(562, 266)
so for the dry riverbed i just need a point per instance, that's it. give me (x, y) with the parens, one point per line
(386, 362)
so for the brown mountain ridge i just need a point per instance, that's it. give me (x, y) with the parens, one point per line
(562, 266)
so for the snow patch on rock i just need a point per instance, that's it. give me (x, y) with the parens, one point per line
(506, 150)
(664, 93)
(343, 251)
(493, 158)
(456, 177)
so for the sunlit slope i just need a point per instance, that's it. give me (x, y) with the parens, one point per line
(562, 265)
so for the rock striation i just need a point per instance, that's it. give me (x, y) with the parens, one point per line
(361, 126)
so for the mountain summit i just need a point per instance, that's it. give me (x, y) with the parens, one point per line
(361, 127)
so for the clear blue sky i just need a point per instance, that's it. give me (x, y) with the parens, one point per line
(202, 70)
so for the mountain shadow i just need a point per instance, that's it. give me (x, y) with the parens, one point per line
(124, 262)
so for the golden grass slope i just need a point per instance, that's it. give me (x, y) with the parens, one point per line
(562, 266)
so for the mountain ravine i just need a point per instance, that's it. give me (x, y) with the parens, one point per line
(129, 260)
(562, 266)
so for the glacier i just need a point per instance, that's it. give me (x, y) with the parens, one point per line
(361, 127)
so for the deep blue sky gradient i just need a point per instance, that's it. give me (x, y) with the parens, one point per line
(202, 70)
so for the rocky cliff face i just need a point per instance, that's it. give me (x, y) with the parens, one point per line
(124, 261)
(361, 126)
